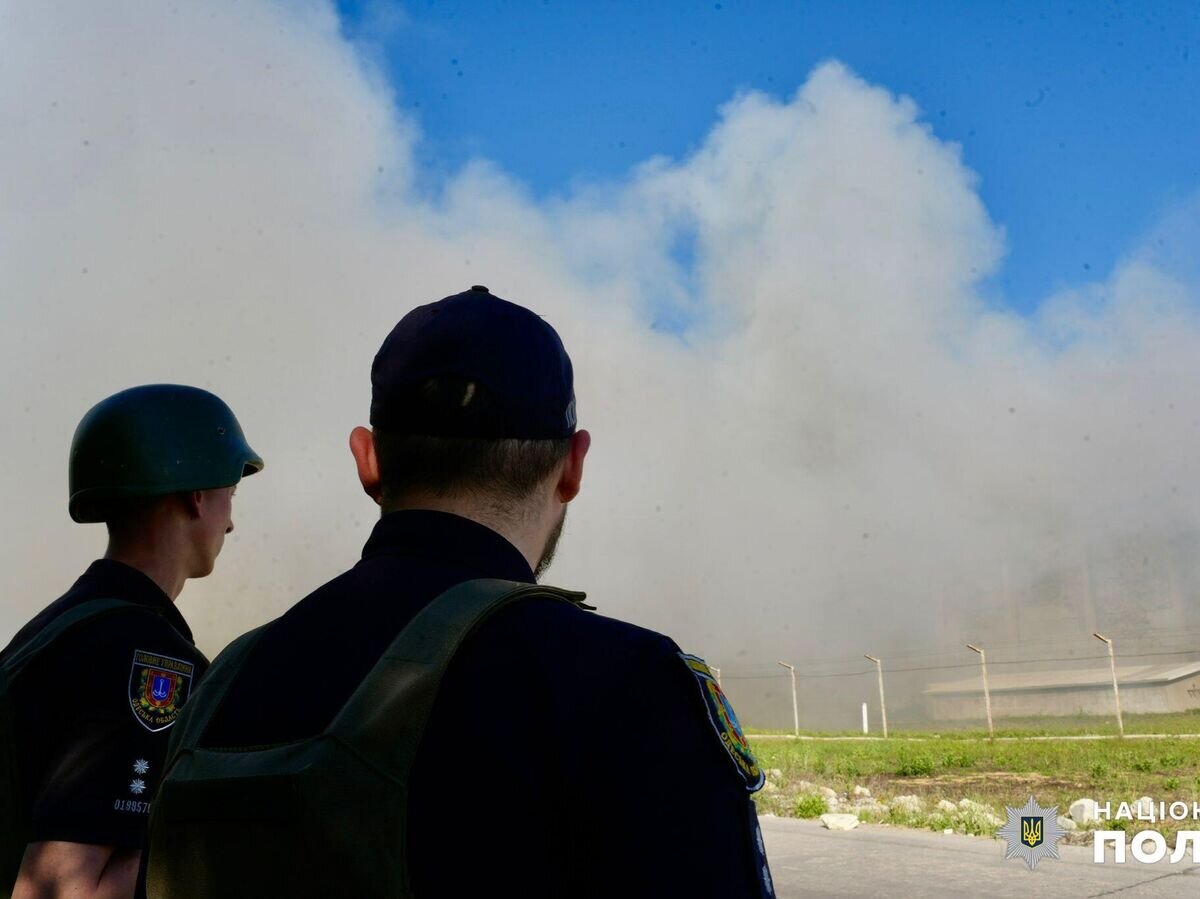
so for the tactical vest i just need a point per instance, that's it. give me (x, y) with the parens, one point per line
(323, 816)
(14, 824)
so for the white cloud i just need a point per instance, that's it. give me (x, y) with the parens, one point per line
(846, 438)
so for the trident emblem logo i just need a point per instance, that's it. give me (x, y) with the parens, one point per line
(1031, 831)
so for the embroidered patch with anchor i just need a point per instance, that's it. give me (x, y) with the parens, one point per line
(158, 688)
(725, 722)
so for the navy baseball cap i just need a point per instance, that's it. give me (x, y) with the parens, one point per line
(473, 365)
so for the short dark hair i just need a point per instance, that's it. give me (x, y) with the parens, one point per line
(506, 469)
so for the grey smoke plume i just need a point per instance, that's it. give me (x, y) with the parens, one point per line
(812, 434)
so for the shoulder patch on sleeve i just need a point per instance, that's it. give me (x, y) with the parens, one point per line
(725, 723)
(158, 687)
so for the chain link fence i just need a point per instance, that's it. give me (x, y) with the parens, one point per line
(1064, 683)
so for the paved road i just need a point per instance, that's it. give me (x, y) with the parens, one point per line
(809, 861)
(1053, 738)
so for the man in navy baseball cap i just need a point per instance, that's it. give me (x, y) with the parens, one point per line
(539, 750)
(475, 395)
(519, 374)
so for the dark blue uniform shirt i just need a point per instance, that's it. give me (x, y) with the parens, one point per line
(92, 730)
(568, 754)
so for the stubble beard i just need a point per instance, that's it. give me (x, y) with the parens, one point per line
(551, 545)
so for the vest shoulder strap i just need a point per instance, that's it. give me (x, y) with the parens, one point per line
(385, 718)
(60, 625)
(14, 827)
(208, 695)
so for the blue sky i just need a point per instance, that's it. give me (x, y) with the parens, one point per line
(1079, 118)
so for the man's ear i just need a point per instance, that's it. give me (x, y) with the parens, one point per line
(571, 477)
(362, 447)
(193, 503)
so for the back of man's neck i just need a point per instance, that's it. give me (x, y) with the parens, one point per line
(164, 570)
(513, 528)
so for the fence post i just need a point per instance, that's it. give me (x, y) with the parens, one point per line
(987, 696)
(795, 706)
(1112, 663)
(882, 703)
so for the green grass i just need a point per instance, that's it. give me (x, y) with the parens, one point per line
(993, 774)
(809, 805)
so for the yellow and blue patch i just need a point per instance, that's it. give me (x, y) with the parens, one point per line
(725, 722)
(1031, 830)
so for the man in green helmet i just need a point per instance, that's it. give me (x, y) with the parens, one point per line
(90, 688)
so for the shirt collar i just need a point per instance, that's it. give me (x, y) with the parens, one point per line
(442, 536)
(108, 577)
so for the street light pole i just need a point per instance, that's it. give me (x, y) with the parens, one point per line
(882, 703)
(1112, 663)
(795, 706)
(987, 696)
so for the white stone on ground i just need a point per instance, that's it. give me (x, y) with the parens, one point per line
(861, 791)
(840, 822)
(1066, 823)
(1083, 810)
(830, 795)
(1143, 807)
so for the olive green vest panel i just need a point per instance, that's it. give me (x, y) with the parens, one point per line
(14, 828)
(325, 816)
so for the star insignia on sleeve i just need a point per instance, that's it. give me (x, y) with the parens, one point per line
(137, 787)
(141, 766)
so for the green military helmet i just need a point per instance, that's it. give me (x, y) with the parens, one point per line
(151, 441)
